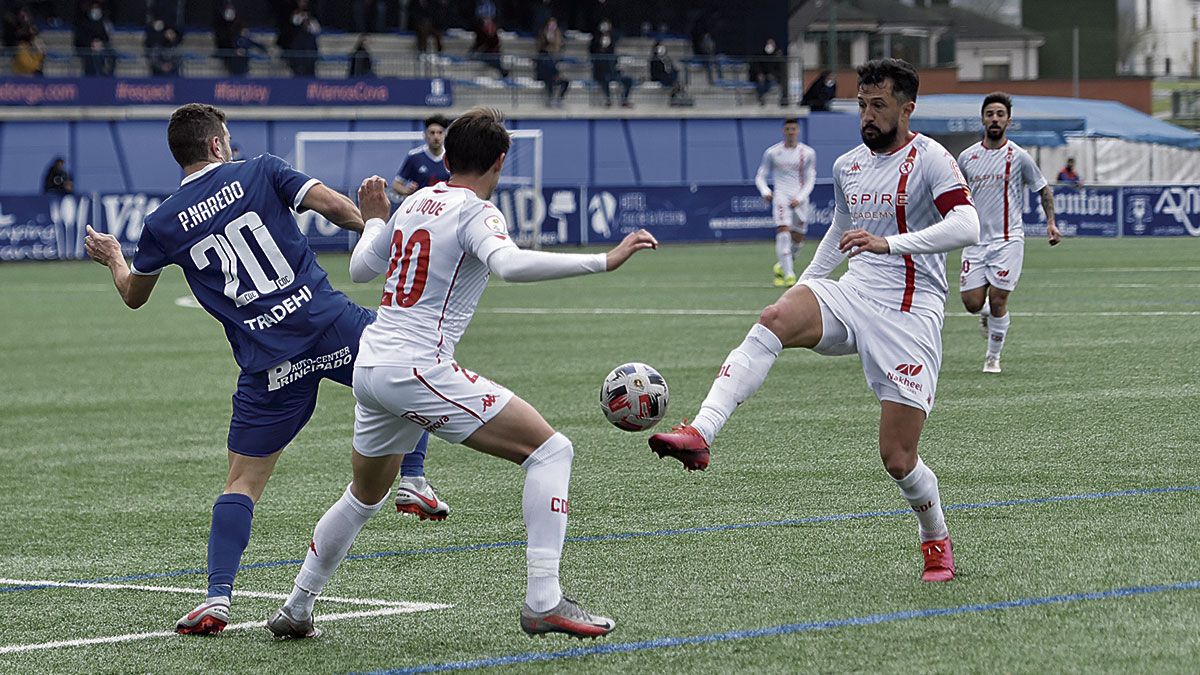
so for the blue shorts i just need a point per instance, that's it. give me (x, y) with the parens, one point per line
(272, 406)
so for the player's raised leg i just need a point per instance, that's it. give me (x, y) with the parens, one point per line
(973, 285)
(227, 539)
(899, 433)
(793, 321)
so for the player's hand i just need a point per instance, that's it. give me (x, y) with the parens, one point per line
(861, 241)
(632, 243)
(372, 199)
(103, 248)
(794, 203)
(767, 197)
(1053, 234)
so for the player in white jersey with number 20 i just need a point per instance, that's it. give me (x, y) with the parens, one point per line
(792, 167)
(437, 252)
(999, 173)
(900, 204)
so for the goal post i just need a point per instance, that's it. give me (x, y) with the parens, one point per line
(341, 159)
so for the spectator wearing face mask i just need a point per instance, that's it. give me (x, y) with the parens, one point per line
(93, 42)
(766, 71)
(161, 48)
(604, 64)
(664, 71)
(301, 42)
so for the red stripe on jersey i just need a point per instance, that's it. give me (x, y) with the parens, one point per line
(1007, 172)
(437, 393)
(910, 267)
(946, 201)
(441, 337)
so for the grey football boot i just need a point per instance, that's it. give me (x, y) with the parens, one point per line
(287, 627)
(566, 617)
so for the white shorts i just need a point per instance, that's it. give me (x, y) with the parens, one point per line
(997, 264)
(901, 352)
(395, 404)
(786, 216)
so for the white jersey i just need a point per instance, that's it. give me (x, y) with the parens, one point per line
(905, 191)
(792, 170)
(998, 179)
(437, 244)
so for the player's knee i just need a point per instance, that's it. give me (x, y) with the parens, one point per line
(774, 319)
(998, 304)
(972, 304)
(898, 459)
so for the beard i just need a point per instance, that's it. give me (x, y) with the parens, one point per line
(995, 133)
(879, 139)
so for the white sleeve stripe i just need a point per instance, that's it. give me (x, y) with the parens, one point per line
(134, 270)
(304, 191)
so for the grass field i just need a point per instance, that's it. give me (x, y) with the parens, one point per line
(1073, 481)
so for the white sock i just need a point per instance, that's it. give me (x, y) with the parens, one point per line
(331, 540)
(783, 253)
(997, 331)
(920, 488)
(796, 246)
(740, 376)
(545, 505)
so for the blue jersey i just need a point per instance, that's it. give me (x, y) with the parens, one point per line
(230, 227)
(421, 168)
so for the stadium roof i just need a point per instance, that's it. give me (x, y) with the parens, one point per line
(971, 25)
(1047, 120)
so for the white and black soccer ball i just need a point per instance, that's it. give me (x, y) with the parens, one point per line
(634, 397)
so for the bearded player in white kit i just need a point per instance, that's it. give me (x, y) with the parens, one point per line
(438, 250)
(999, 172)
(901, 203)
(792, 167)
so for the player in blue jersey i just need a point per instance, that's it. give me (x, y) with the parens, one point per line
(424, 165)
(230, 228)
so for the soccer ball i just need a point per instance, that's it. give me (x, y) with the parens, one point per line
(634, 397)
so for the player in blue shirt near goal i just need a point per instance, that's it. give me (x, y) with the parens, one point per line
(230, 228)
(424, 165)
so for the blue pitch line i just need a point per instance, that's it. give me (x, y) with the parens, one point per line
(791, 629)
(620, 536)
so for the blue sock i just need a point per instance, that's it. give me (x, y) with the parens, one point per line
(227, 540)
(414, 462)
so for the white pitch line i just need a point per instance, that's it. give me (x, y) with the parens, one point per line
(387, 607)
(192, 591)
(742, 312)
(129, 637)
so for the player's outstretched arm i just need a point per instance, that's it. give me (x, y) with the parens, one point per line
(517, 265)
(336, 207)
(959, 228)
(104, 248)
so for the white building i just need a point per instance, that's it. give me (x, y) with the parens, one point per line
(1163, 37)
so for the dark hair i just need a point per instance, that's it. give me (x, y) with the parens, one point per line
(905, 80)
(997, 97)
(791, 120)
(475, 141)
(440, 120)
(190, 129)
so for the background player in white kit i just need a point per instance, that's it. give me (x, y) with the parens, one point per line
(999, 172)
(901, 203)
(792, 167)
(438, 250)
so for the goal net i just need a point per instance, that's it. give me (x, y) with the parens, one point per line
(342, 159)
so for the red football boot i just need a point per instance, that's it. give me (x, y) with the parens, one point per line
(939, 560)
(685, 444)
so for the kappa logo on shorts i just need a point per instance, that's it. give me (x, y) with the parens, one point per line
(910, 369)
(489, 401)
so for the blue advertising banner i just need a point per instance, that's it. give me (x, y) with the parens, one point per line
(101, 91)
(1082, 212)
(1161, 211)
(42, 227)
(696, 213)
